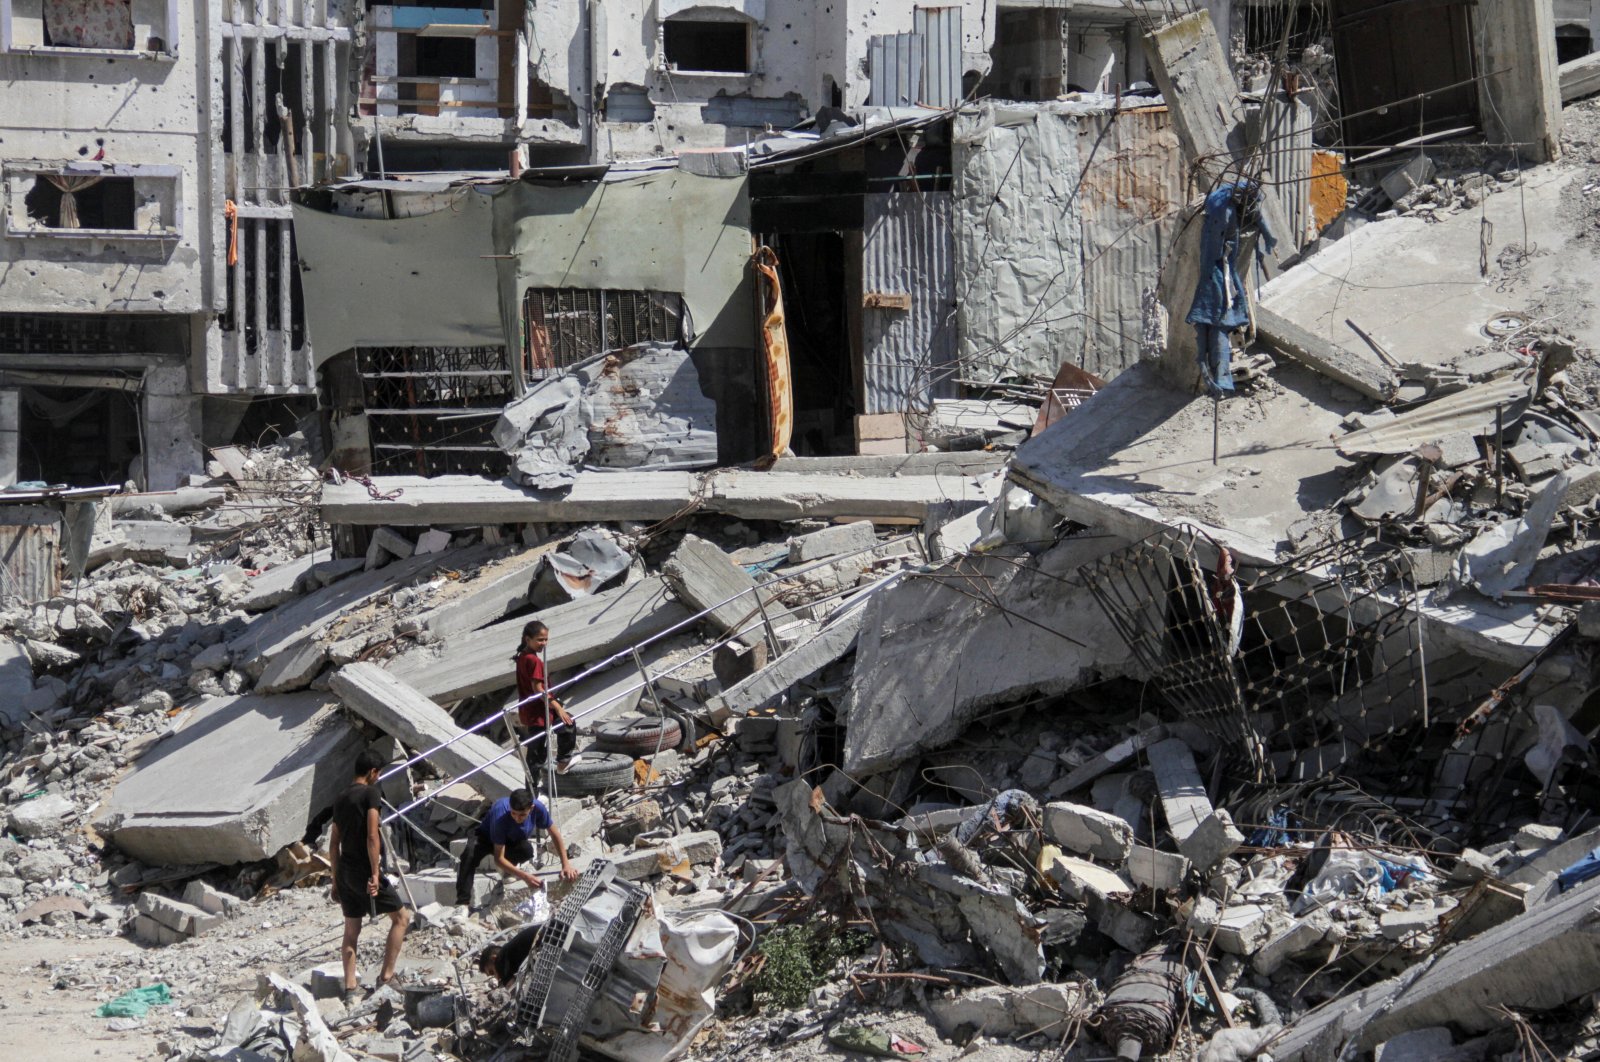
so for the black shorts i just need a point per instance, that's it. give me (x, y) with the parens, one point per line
(355, 903)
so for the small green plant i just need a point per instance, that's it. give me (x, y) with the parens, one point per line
(796, 958)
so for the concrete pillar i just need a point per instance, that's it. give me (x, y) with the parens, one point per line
(1522, 105)
(171, 415)
(10, 436)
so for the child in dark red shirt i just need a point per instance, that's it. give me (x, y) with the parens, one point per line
(531, 696)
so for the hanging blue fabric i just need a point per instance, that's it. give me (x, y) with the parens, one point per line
(1218, 306)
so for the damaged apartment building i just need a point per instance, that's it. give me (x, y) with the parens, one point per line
(152, 305)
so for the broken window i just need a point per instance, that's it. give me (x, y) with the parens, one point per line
(1572, 42)
(720, 47)
(430, 410)
(61, 201)
(443, 59)
(88, 25)
(92, 199)
(1027, 54)
(564, 326)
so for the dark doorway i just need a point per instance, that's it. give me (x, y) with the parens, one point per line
(811, 267)
(80, 436)
(1405, 69)
(1572, 42)
(714, 46)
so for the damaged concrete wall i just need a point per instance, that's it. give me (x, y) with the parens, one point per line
(1064, 213)
(986, 630)
(410, 282)
(98, 110)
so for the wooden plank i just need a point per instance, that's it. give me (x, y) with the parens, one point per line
(1325, 357)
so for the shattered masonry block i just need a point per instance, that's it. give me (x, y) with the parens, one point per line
(1243, 929)
(150, 931)
(439, 885)
(1536, 836)
(1155, 869)
(433, 541)
(1085, 830)
(1398, 925)
(1293, 939)
(175, 914)
(325, 981)
(832, 541)
(198, 894)
(393, 543)
(1079, 879)
(1215, 839)
(1130, 929)
(698, 848)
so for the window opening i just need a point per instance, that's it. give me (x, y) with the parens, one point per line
(563, 326)
(88, 24)
(72, 201)
(720, 47)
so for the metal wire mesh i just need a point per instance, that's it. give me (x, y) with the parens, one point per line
(1292, 667)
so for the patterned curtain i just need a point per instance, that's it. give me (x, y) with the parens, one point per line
(89, 23)
(69, 202)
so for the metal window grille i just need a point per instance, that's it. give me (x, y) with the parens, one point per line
(430, 410)
(564, 326)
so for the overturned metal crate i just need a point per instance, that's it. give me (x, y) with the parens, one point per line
(608, 970)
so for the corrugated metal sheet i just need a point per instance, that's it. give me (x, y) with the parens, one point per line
(940, 28)
(1132, 196)
(30, 552)
(895, 65)
(1049, 270)
(908, 249)
(1288, 149)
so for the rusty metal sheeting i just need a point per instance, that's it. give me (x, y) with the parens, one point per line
(942, 64)
(909, 353)
(1132, 195)
(1051, 269)
(30, 552)
(775, 346)
(1283, 130)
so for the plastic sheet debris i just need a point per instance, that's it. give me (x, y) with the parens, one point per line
(879, 1043)
(136, 1003)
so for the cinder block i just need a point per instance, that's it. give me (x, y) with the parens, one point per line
(150, 931)
(1215, 839)
(213, 901)
(175, 914)
(832, 541)
(1299, 935)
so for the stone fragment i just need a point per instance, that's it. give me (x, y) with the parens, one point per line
(1080, 878)
(1212, 841)
(1155, 869)
(832, 541)
(1083, 829)
(43, 816)
(1417, 1045)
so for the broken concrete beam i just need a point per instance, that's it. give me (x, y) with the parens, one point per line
(393, 543)
(581, 631)
(276, 585)
(1580, 77)
(1537, 961)
(175, 914)
(705, 578)
(599, 497)
(240, 779)
(697, 848)
(832, 541)
(1365, 376)
(1112, 758)
(1400, 925)
(1088, 832)
(331, 571)
(1178, 785)
(1155, 869)
(965, 462)
(282, 640)
(182, 500)
(501, 586)
(406, 715)
(799, 663)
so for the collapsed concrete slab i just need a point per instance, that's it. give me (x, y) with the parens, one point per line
(283, 648)
(501, 586)
(707, 580)
(608, 496)
(406, 715)
(276, 585)
(239, 780)
(581, 631)
(984, 630)
(1535, 961)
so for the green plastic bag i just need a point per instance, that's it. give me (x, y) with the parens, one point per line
(136, 1003)
(876, 1042)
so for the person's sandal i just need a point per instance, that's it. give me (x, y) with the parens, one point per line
(347, 995)
(384, 982)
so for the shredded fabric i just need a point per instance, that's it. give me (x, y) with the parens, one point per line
(136, 1002)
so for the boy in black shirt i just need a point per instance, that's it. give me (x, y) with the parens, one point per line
(355, 852)
(502, 961)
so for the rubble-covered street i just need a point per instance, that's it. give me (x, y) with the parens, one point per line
(744, 532)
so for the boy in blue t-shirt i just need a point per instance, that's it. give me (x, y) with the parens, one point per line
(505, 832)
